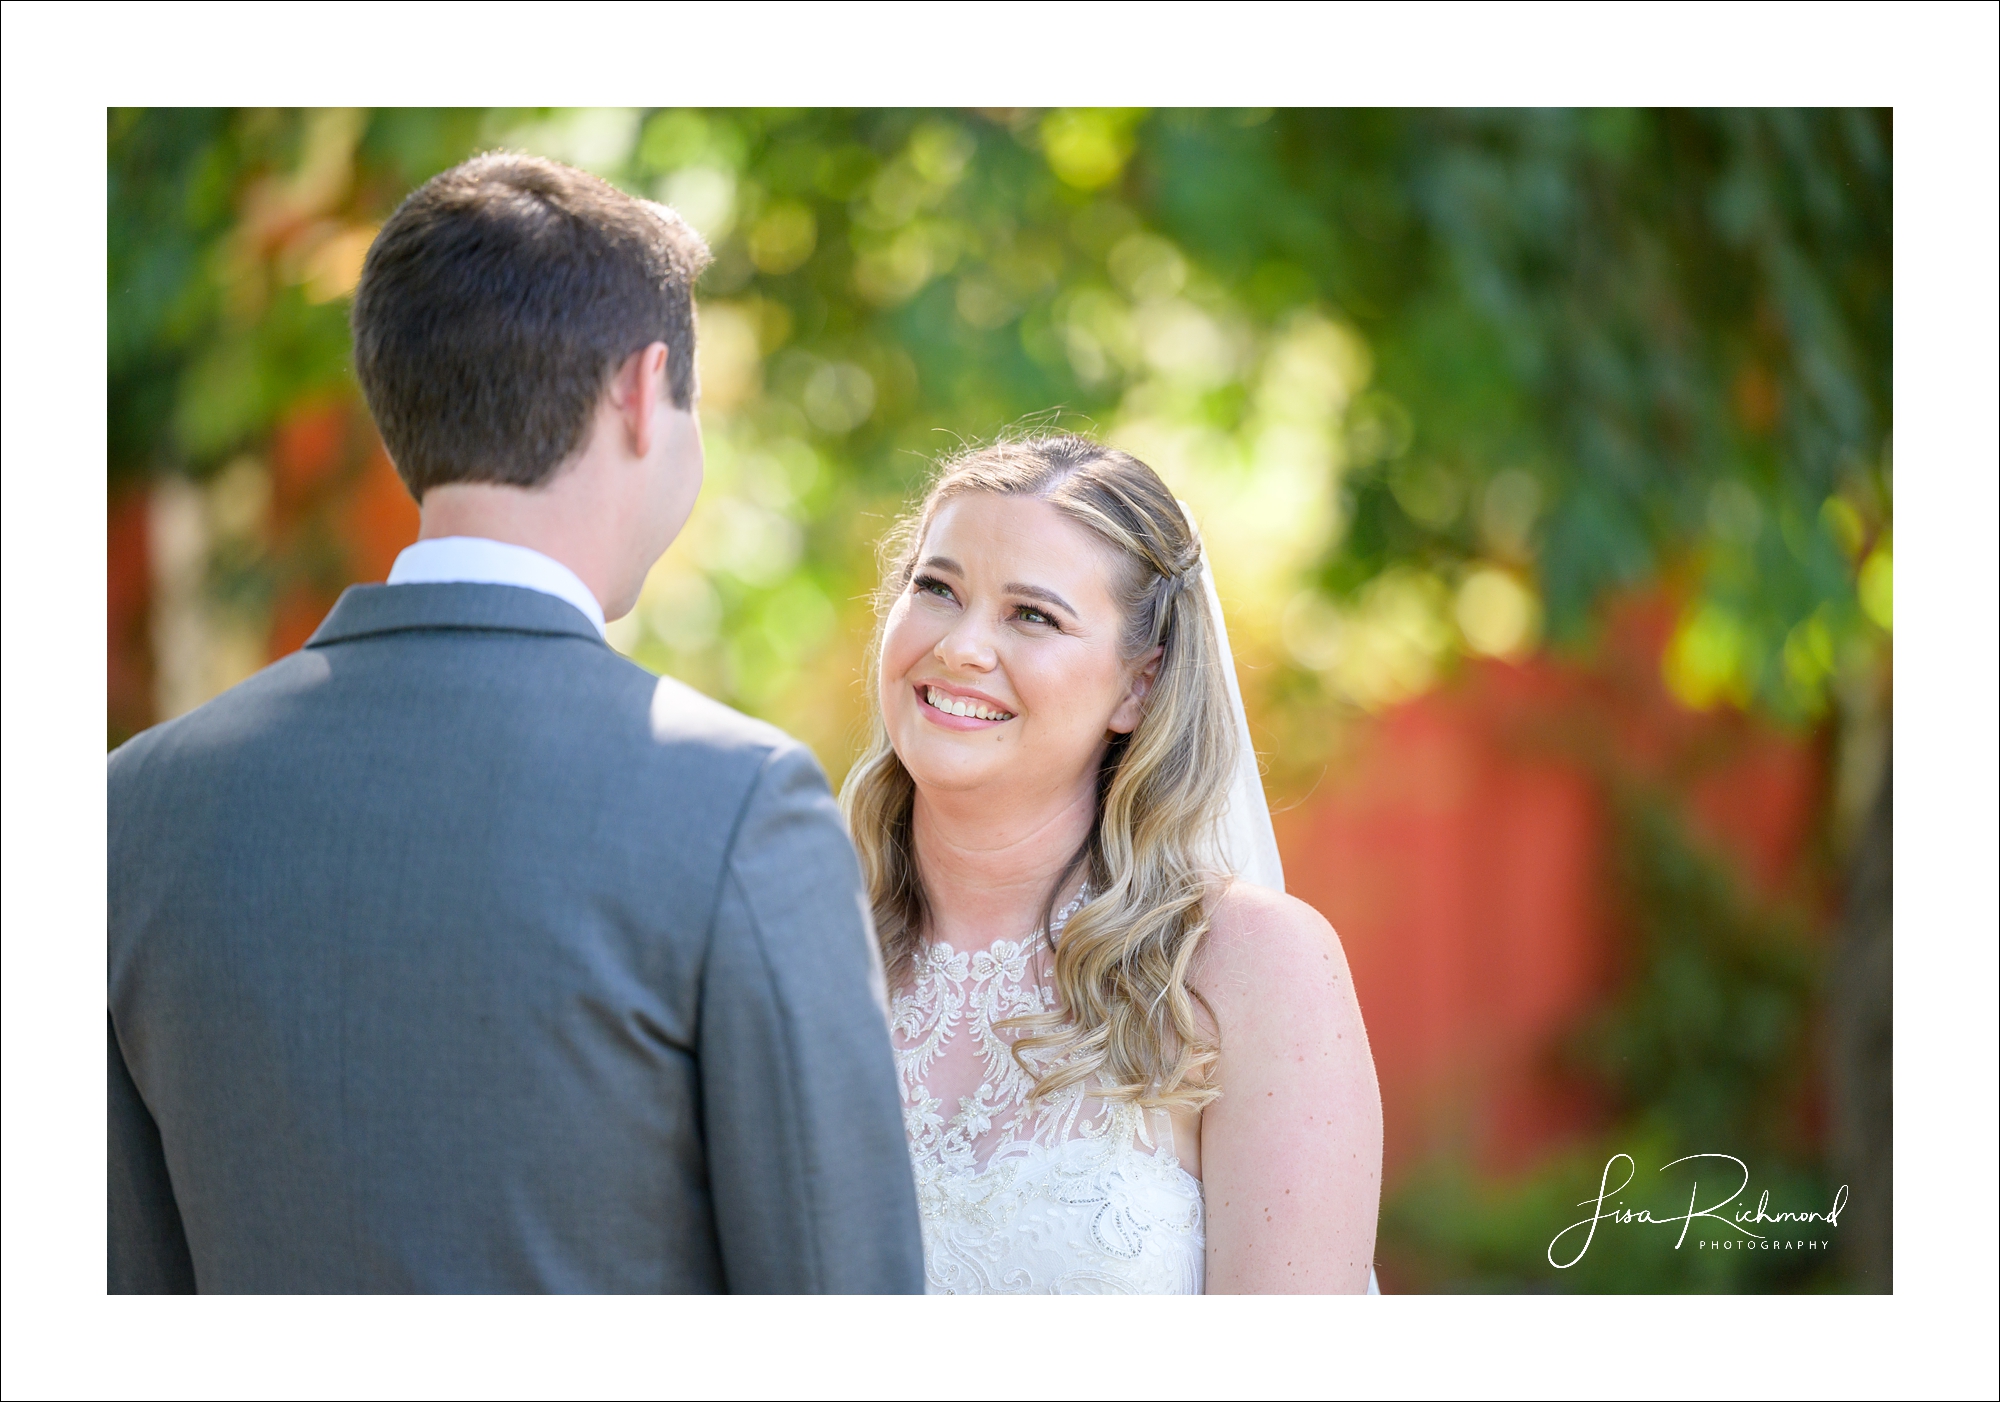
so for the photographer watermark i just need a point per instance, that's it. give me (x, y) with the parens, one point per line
(1610, 1208)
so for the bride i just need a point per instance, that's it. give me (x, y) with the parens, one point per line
(1128, 1062)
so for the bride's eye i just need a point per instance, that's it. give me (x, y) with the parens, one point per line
(930, 584)
(1029, 614)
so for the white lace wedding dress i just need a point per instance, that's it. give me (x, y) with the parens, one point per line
(1070, 1195)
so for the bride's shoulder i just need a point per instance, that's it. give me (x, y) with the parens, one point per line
(1263, 944)
(1255, 922)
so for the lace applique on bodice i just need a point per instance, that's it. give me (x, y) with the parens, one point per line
(1071, 1194)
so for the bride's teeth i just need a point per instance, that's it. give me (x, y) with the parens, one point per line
(953, 706)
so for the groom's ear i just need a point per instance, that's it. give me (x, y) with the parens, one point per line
(1126, 718)
(636, 389)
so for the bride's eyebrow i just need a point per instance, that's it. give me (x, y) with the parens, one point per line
(1047, 596)
(1027, 591)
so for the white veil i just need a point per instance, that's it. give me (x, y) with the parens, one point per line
(1249, 846)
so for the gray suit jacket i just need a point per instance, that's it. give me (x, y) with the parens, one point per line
(456, 953)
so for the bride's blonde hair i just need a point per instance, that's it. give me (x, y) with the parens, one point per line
(1126, 1014)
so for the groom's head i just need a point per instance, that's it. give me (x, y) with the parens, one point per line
(519, 324)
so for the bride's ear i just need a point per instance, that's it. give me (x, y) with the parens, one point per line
(1145, 672)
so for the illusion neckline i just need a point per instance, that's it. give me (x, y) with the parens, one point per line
(1046, 933)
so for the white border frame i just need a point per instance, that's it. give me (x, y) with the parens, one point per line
(64, 64)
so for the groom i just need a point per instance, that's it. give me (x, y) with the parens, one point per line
(454, 952)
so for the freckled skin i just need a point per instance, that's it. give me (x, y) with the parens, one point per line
(1308, 1149)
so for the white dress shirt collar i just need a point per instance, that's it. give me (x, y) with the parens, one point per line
(464, 559)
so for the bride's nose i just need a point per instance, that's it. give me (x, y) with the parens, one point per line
(967, 647)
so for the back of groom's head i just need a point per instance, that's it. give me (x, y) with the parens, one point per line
(495, 305)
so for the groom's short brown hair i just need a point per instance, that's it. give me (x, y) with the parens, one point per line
(495, 305)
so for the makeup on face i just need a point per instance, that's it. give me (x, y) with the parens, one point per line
(1006, 637)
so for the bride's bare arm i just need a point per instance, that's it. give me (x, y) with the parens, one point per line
(1291, 1154)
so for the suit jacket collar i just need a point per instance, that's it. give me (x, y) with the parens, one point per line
(366, 610)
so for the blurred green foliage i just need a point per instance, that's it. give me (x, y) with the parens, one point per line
(1587, 347)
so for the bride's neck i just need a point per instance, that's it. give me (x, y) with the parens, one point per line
(986, 867)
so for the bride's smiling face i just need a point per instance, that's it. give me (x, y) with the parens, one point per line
(1000, 660)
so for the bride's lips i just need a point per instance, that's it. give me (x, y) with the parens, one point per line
(952, 722)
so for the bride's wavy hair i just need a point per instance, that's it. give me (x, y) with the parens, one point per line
(1126, 1015)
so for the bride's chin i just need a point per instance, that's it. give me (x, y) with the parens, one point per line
(952, 779)
(947, 773)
